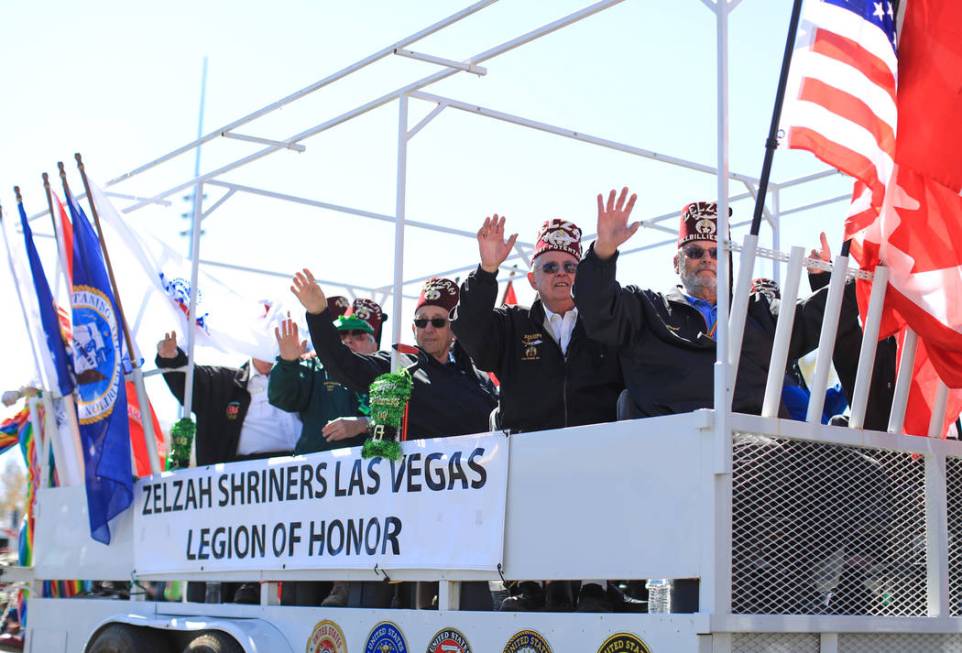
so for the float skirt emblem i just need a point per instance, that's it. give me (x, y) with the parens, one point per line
(624, 643)
(327, 637)
(527, 641)
(386, 637)
(449, 640)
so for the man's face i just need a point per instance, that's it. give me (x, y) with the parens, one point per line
(433, 339)
(554, 285)
(360, 342)
(696, 263)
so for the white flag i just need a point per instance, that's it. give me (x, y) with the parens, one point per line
(154, 285)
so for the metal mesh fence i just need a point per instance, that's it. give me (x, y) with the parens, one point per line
(775, 643)
(821, 528)
(899, 643)
(953, 488)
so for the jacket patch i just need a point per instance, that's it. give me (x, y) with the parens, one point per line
(529, 346)
(233, 410)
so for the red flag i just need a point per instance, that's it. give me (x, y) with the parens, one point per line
(509, 298)
(141, 458)
(906, 209)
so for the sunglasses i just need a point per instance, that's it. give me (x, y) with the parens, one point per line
(354, 333)
(552, 267)
(436, 322)
(695, 252)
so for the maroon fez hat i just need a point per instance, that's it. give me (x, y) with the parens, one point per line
(699, 221)
(368, 311)
(557, 235)
(439, 292)
(338, 306)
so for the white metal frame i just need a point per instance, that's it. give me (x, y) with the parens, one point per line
(716, 562)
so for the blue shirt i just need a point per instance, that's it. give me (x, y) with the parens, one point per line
(707, 310)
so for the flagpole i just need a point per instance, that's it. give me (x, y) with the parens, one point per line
(134, 354)
(69, 400)
(61, 252)
(71, 474)
(746, 264)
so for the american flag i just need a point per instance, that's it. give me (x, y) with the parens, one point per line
(843, 109)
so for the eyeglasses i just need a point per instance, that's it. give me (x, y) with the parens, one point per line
(552, 267)
(436, 322)
(354, 333)
(695, 252)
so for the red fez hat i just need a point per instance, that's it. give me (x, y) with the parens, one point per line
(699, 221)
(338, 306)
(557, 235)
(364, 315)
(439, 292)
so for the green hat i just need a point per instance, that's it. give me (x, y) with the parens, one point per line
(352, 323)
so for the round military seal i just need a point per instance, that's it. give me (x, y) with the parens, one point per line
(449, 640)
(95, 346)
(327, 637)
(527, 641)
(624, 643)
(385, 637)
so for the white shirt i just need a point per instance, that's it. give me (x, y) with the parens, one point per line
(265, 427)
(560, 327)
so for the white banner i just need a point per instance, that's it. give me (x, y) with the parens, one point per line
(441, 506)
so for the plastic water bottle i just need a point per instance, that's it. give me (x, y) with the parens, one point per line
(213, 593)
(659, 595)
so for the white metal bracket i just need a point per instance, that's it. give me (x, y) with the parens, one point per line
(290, 145)
(480, 71)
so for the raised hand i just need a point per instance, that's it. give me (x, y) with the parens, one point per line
(289, 342)
(308, 292)
(167, 348)
(343, 428)
(492, 245)
(823, 254)
(613, 227)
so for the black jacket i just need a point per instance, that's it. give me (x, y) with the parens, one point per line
(451, 399)
(541, 388)
(220, 402)
(667, 357)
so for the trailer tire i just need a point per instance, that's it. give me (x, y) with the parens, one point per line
(213, 641)
(121, 638)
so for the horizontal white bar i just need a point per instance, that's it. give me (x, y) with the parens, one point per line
(575, 135)
(297, 147)
(480, 71)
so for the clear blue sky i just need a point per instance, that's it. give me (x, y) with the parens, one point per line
(119, 82)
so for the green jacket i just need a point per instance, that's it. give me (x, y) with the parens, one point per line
(303, 387)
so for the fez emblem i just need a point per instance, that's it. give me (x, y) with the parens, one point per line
(706, 227)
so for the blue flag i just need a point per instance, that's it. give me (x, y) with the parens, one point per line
(98, 364)
(48, 312)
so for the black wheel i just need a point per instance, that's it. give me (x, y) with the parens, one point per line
(213, 641)
(121, 638)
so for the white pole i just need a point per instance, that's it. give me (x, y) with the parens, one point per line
(826, 340)
(716, 581)
(866, 355)
(783, 334)
(903, 382)
(776, 230)
(743, 286)
(937, 420)
(192, 312)
(399, 208)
